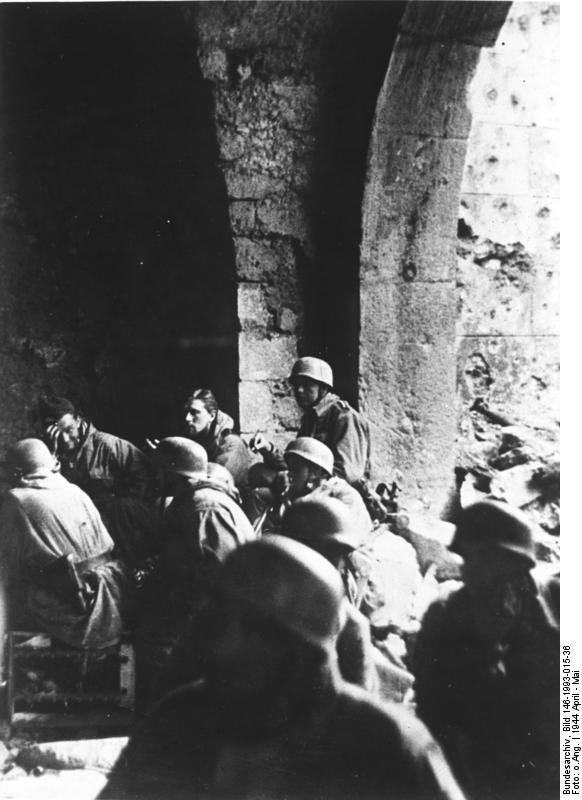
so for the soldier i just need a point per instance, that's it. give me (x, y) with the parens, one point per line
(309, 465)
(487, 661)
(200, 527)
(212, 428)
(112, 471)
(379, 570)
(325, 417)
(56, 559)
(272, 718)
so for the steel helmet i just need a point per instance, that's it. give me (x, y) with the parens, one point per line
(29, 456)
(496, 526)
(288, 583)
(312, 450)
(311, 519)
(182, 456)
(314, 368)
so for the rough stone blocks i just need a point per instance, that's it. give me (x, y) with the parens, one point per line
(263, 358)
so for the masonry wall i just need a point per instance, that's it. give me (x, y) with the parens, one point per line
(294, 86)
(509, 229)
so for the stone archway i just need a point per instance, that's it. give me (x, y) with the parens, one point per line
(408, 305)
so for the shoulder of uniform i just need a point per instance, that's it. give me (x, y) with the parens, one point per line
(113, 442)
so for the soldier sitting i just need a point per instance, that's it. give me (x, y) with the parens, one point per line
(326, 417)
(56, 559)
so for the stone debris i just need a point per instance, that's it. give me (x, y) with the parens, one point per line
(518, 464)
(78, 784)
(98, 754)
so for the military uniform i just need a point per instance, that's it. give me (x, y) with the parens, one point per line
(227, 449)
(344, 746)
(343, 429)
(116, 476)
(40, 524)
(493, 706)
(201, 526)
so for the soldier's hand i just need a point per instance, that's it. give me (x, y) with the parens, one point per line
(151, 445)
(259, 442)
(52, 438)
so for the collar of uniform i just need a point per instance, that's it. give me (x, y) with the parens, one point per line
(321, 409)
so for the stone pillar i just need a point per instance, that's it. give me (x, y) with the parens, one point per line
(408, 304)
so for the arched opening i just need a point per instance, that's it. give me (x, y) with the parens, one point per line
(109, 153)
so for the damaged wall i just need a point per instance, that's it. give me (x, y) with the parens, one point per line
(294, 86)
(509, 236)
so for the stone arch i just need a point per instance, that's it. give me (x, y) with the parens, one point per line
(409, 223)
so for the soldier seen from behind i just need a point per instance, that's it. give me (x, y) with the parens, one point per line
(272, 717)
(487, 661)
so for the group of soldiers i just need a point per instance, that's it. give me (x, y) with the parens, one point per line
(280, 652)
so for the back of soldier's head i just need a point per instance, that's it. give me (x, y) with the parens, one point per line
(177, 455)
(29, 457)
(289, 584)
(323, 522)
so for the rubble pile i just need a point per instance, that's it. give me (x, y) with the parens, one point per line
(515, 463)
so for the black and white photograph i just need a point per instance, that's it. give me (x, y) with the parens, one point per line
(280, 401)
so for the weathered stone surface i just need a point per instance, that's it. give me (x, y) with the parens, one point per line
(494, 288)
(544, 163)
(531, 30)
(263, 358)
(255, 186)
(287, 413)
(242, 217)
(256, 406)
(410, 207)
(287, 320)
(546, 302)
(426, 82)
(213, 63)
(252, 308)
(284, 215)
(545, 232)
(477, 23)
(525, 375)
(515, 106)
(254, 259)
(498, 160)
(504, 219)
(501, 93)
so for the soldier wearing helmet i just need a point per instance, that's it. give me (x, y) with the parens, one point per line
(309, 465)
(201, 525)
(325, 417)
(326, 525)
(486, 660)
(56, 556)
(272, 717)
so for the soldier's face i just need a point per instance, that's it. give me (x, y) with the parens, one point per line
(66, 433)
(307, 392)
(299, 474)
(198, 420)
